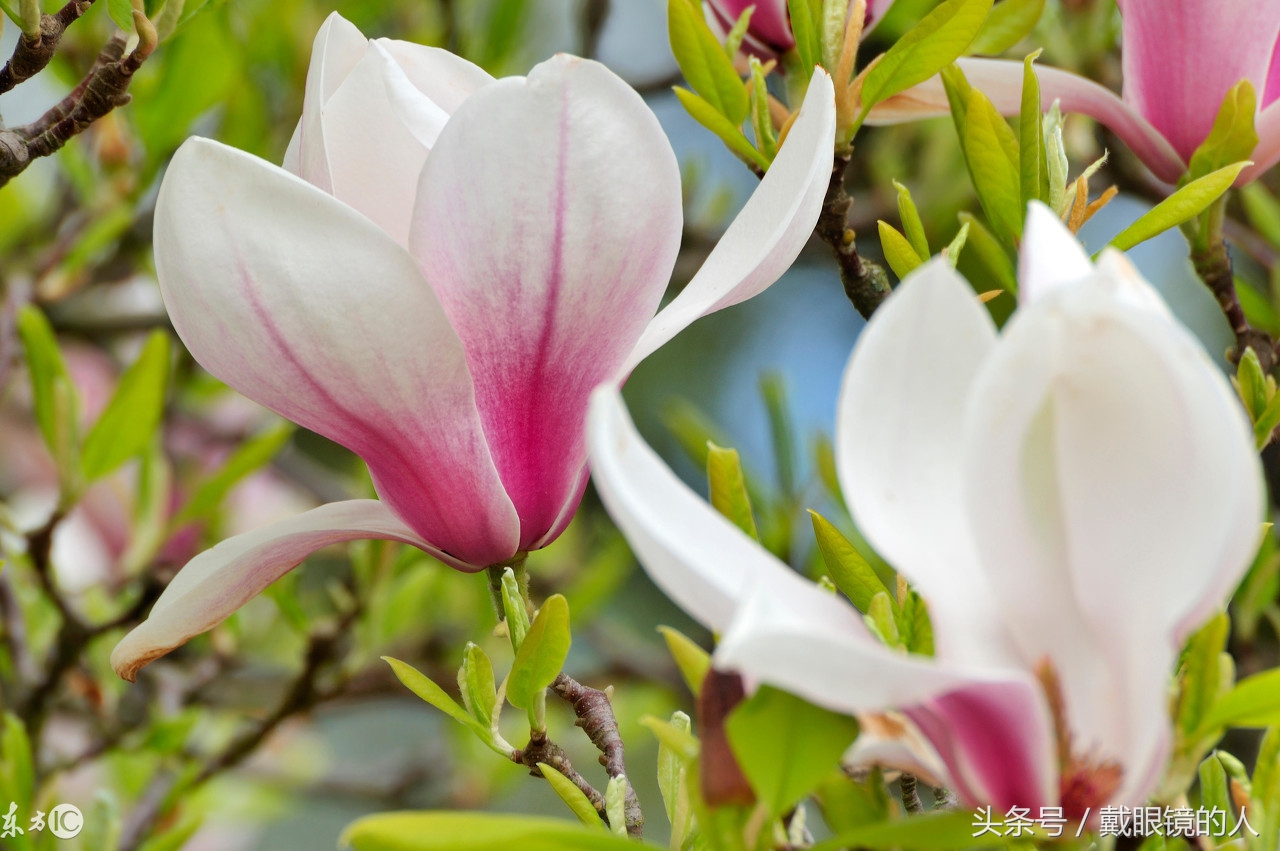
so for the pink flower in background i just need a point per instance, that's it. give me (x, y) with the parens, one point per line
(1068, 522)
(444, 269)
(1180, 57)
(770, 30)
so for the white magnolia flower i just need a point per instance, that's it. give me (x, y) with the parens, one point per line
(1072, 497)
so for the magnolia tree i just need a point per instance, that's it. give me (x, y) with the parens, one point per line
(1035, 599)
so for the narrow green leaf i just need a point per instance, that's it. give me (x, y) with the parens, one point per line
(703, 62)
(786, 746)
(851, 572)
(681, 742)
(577, 801)
(912, 227)
(46, 367)
(475, 831)
(1213, 785)
(991, 253)
(917, 628)
(11, 11)
(849, 805)
(1055, 162)
(16, 764)
(1267, 422)
(1265, 791)
(422, 685)
(1200, 683)
(728, 488)
(671, 776)
(1252, 383)
(1030, 140)
(517, 616)
(121, 11)
(1254, 702)
(251, 456)
(881, 619)
(712, 119)
(1009, 23)
(132, 416)
(933, 44)
(739, 31)
(1182, 206)
(936, 831)
(898, 251)
(692, 660)
(992, 152)
(806, 28)
(475, 683)
(773, 390)
(761, 119)
(615, 803)
(1233, 136)
(957, 244)
(541, 655)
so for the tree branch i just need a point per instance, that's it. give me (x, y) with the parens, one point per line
(865, 283)
(32, 54)
(1214, 267)
(595, 717)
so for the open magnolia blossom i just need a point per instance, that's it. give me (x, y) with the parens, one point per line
(444, 268)
(769, 32)
(1072, 497)
(1180, 58)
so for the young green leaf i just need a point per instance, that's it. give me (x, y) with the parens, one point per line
(807, 29)
(475, 684)
(17, 769)
(541, 655)
(957, 244)
(848, 804)
(1254, 702)
(615, 800)
(912, 227)
(121, 12)
(915, 625)
(517, 616)
(991, 254)
(1182, 206)
(712, 119)
(1200, 681)
(848, 569)
(991, 149)
(1263, 211)
(475, 831)
(692, 660)
(933, 44)
(422, 685)
(1030, 140)
(47, 370)
(672, 776)
(703, 62)
(1009, 23)
(882, 619)
(1233, 136)
(898, 251)
(728, 488)
(781, 430)
(761, 118)
(132, 416)
(683, 744)
(786, 746)
(1213, 784)
(1265, 790)
(1252, 383)
(1055, 160)
(577, 801)
(738, 32)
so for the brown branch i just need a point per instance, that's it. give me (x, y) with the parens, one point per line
(865, 283)
(32, 54)
(542, 750)
(594, 13)
(1213, 265)
(595, 717)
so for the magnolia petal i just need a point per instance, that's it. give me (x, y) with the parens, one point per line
(305, 306)
(549, 270)
(1180, 58)
(697, 557)
(1272, 92)
(997, 742)
(445, 78)
(1051, 256)
(876, 10)
(769, 232)
(1267, 153)
(891, 740)
(770, 23)
(898, 442)
(220, 580)
(1001, 80)
(338, 47)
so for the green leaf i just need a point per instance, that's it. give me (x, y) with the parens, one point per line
(1009, 23)
(579, 804)
(806, 28)
(1030, 140)
(121, 11)
(738, 32)
(703, 62)
(692, 660)
(11, 11)
(1265, 791)
(1055, 161)
(761, 119)
(1263, 211)
(936, 831)
(851, 572)
(461, 831)
(849, 805)
(991, 254)
(1267, 422)
(1252, 382)
(517, 616)
(933, 44)
(615, 802)
(728, 488)
(916, 626)
(781, 430)
(251, 456)
(1213, 784)
(1254, 702)
(991, 149)
(1200, 680)
(132, 416)
(786, 746)
(1233, 136)
(541, 655)
(712, 119)
(55, 409)
(898, 251)
(881, 619)
(912, 227)
(422, 685)
(475, 683)
(1182, 206)
(17, 769)
(672, 777)
(681, 742)
(957, 244)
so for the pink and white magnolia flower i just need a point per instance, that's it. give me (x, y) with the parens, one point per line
(1072, 497)
(440, 274)
(1180, 58)
(769, 33)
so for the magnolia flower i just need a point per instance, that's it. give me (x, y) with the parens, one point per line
(1072, 497)
(1180, 58)
(444, 269)
(769, 32)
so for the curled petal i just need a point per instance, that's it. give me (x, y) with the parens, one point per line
(769, 232)
(1001, 80)
(549, 264)
(337, 49)
(897, 448)
(445, 78)
(1182, 56)
(220, 580)
(305, 306)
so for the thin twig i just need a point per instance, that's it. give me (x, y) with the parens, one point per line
(32, 54)
(865, 283)
(596, 718)
(1214, 267)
